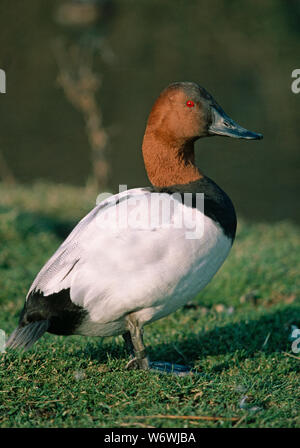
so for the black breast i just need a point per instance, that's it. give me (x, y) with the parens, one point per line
(217, 205)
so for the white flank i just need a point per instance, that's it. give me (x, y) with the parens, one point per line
(112, 272)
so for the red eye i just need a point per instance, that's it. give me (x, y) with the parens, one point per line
(190, 103)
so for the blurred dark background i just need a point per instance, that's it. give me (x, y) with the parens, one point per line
(242, 52)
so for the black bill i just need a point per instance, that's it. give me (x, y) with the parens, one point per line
(224, 125)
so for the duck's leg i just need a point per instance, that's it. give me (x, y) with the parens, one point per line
(128, 343)
(134, 342)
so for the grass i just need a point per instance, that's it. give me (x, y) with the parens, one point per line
(236, 334)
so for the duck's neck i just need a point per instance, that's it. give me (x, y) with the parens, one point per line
(169, 162)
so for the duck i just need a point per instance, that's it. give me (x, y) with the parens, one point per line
(113, 276)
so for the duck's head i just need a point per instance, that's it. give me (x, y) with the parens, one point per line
(186, 111)
(183, 113)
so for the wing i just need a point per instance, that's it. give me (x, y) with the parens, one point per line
(56, 273)
(128, 253)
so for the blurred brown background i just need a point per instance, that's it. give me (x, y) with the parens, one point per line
(242, 52)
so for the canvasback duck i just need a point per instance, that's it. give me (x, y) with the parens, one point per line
(110, 279)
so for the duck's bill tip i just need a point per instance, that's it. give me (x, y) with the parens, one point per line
(236, 132)
(258, 136)
(248, 135)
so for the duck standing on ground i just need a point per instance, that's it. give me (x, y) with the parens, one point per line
(111, 280)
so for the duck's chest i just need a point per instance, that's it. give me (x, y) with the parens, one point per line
(203, 257)
(202, 247)
(189, 267)
(197, 260)
(208, 225)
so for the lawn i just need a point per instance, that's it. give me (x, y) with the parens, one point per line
(235, 334)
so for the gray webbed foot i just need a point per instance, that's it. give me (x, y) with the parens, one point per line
(168, 368)
(139, 360)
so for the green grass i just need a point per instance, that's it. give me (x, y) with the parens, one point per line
(82, 382)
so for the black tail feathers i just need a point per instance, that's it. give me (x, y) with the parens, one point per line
(24, 337)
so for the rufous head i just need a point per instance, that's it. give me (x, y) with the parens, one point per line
(183, 113)
(186, 111)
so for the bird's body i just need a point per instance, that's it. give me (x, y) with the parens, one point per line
(109, 271)
(139, 255)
